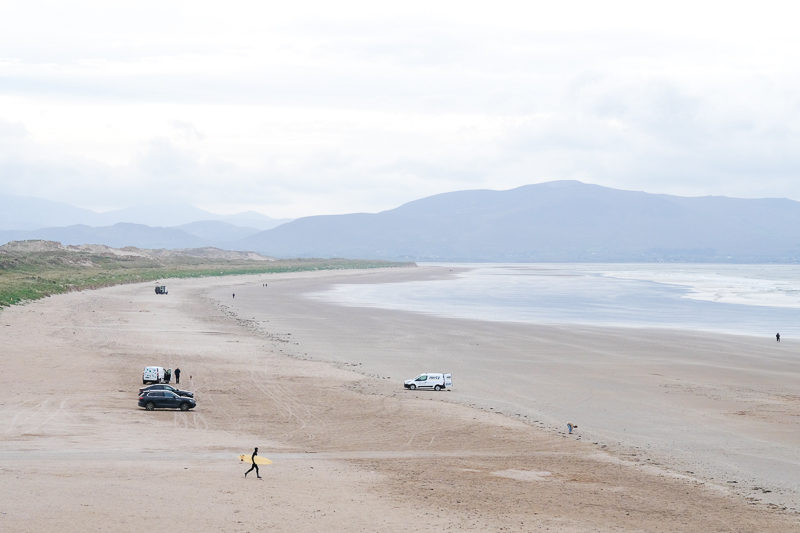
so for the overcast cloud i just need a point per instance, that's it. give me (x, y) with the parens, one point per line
(333, 107)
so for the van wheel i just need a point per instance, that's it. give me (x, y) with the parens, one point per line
(412, 386)
(184, 406)
(437, 388)
(149, 406)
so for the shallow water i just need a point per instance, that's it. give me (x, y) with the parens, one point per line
(741, 299)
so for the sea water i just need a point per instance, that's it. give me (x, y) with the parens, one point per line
(741, 299)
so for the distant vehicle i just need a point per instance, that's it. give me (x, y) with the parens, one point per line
(161, 289)
(164, 399)
(156, 374)
(184, 393)
(429, 380)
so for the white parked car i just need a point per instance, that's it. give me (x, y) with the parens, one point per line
(429, 380)
(156, 374)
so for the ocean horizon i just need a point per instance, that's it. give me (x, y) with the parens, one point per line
(757, 300)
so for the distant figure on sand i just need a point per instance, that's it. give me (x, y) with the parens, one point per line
(570, 427)
(177, 376)
(778, 337)
(234, 295)
(253, 458)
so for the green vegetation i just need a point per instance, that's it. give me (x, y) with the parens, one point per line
(30, 275)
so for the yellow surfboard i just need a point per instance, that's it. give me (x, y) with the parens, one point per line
(259, 460)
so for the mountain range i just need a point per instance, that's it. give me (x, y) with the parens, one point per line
(555, 221)
(546, 222)
(28, 213)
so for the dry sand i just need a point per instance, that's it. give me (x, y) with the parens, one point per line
(352, 452)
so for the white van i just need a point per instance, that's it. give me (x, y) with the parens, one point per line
(429, 380)
(156, 374)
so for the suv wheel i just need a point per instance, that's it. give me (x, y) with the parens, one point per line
(184, 406)
(149, 406)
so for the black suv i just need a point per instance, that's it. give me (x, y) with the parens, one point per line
(170, 388)
(165, 399)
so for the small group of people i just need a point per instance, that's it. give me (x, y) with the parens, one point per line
(168, 373)
(234, 294)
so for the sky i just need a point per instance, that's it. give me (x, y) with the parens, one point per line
(304, 108)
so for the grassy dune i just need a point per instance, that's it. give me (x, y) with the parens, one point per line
(30, 275)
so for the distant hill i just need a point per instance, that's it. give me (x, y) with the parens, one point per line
(193, 235)
(216, 230)
(117, 236)
(28, 213)
(155, 214)
(555, 221)
(178, 214)
(253, 220)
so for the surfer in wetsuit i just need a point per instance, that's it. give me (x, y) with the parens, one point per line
(778, 337)
(253, 458)
(177, 376)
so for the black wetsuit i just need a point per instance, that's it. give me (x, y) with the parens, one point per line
(177, 376)
(253, 458)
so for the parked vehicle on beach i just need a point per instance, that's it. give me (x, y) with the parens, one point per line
(164, 399)
(184, 393)
(156, 374)
(161, 289)
(429, 380)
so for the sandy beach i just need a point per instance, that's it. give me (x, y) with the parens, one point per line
(723, 407)
(352, 450)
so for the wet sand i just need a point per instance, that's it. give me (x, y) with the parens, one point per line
(351, 452)
(723, 407)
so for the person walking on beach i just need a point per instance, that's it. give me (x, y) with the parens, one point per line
(234, 295)
(778, 337)
(253, 458)
(177, 376)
